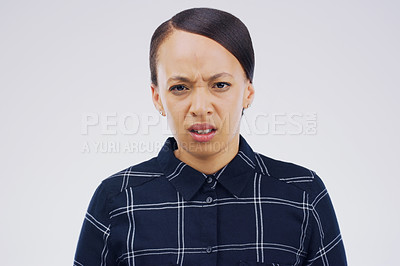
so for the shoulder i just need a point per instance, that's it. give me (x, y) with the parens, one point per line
(292, 174)
(132, 176)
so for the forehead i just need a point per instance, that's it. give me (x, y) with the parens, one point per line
(191, 54)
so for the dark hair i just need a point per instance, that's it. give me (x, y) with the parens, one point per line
(218, 25)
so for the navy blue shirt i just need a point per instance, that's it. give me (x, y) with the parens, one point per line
(254, 211)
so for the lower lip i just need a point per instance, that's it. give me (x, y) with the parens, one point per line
(202, 137)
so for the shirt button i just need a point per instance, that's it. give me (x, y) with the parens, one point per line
(209, 180)
(208, 250)
(209, 199)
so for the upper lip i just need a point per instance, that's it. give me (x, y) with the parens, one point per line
(201, 126)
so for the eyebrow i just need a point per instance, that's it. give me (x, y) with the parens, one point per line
(185, 79)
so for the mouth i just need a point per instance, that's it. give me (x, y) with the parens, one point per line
(202, 132)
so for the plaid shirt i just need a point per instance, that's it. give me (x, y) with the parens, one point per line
(254, 211)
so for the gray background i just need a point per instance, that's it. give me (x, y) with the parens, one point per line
(63, 60)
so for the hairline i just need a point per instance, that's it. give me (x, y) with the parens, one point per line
(171, 29)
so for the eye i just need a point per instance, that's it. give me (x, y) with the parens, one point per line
(178, 89)
(222, 85)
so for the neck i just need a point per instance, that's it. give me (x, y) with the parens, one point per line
(210, 163)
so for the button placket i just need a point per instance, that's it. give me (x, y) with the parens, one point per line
(209, 200)
(209, 218)
(210, 183)
(209, 249)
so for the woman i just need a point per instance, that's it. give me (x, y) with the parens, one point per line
(208, 198)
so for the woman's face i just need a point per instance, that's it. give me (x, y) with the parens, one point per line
(202, 89)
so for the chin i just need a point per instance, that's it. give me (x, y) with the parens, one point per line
(201, 148)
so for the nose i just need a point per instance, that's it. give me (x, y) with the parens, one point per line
(201, 103)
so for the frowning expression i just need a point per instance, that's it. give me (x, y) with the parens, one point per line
(202, 89)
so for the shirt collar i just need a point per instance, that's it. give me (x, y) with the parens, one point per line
(234, 176)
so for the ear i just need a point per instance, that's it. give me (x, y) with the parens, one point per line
(156, 97)
(248, 95)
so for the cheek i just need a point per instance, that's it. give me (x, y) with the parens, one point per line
(175, 115)
(230, 113)
(174, 123)
(232, 103)
(170, 104)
